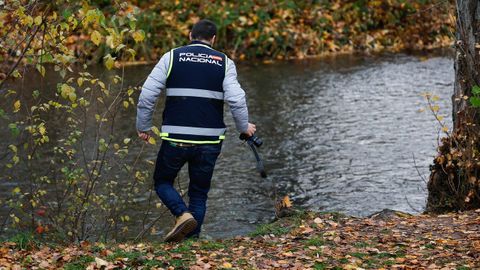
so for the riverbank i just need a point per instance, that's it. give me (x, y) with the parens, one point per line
(307, 240)
(299, 29)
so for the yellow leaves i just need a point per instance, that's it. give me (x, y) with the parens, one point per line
(27, 20)
(243, 20)
(138, 36)
(102, 145)
(16, 190)
(114, 39)
(109, 61)
(227, 265)
(100, 263)
(80, 81)
(132, 52)
(15, 218)
(92, 16)
(13, 148)
(152, 140)
(156, 131)
(126, 104)
(41, 69)
(16, 106)
(286, 202)
(38, 20)
(435, 108)
(41, 129)
(101, 84)
(96, 37)
(16, 74)
(445, 129)
(68, 92)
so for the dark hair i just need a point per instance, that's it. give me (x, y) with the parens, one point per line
(204, 29)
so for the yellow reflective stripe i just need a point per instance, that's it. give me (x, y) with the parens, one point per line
(164, 136)
(170, 64)
(192, 142)
(226, 63)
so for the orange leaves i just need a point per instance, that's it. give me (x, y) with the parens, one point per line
(286, 202)
(279, 30)
(40, 229)
(380, 242)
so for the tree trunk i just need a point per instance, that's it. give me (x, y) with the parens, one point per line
(454, 183)
(467, 61)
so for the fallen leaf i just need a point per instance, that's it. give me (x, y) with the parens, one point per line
(100, 262)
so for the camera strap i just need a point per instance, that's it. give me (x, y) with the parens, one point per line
(260, 166)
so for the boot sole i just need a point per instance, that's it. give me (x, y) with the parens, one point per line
(183, 229)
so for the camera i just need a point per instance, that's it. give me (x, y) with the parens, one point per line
(253, 139)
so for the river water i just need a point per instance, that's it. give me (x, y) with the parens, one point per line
(340, 134)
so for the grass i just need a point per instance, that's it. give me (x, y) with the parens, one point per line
(24, 241)
(315, 241)
(185, 246)
(430, 246)
(212, 245)
(281, 227)
(271, 228)
(134, 256)
(80, 263)
(360, 245)
(358, 255)
(320, 266)
(383, 255)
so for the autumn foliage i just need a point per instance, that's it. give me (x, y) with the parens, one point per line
(86, 178)
(454, 181)
(298, 29)
(387, 240)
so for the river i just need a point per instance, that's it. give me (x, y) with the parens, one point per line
(340, 134)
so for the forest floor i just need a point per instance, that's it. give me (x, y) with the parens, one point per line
(306, 240)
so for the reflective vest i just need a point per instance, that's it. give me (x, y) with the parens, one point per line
(194, 106)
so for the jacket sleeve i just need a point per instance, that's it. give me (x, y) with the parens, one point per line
(235, 97)
(151, 89)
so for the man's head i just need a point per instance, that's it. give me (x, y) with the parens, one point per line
(204, 30)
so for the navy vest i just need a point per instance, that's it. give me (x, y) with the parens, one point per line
(194, 106)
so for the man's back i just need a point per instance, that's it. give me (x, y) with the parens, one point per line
(197, 80)
(194, 107)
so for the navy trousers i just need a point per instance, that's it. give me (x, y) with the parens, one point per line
(201, 162)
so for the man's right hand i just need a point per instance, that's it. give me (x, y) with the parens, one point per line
(250, 130)
(144, 135)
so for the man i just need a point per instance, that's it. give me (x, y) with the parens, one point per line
(197, 79)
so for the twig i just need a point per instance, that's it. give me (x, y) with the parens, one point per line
(411, 206)
(416, 168)
(150, 225)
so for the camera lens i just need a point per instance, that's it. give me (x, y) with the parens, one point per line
(257, 141)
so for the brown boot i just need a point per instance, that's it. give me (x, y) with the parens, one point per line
(184, 224)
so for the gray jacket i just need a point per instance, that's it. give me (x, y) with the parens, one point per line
(156, 82)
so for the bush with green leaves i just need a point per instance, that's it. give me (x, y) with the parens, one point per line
(69, 175)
